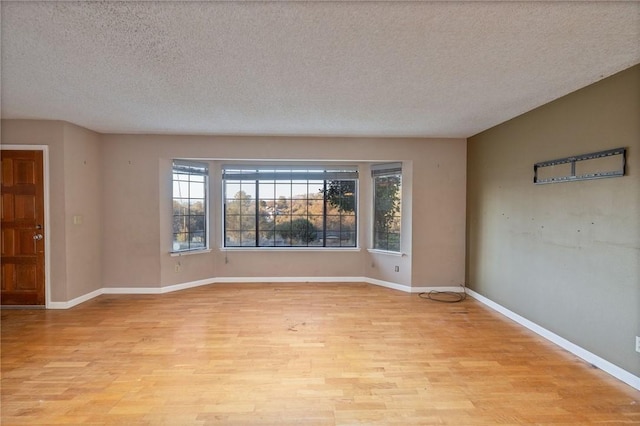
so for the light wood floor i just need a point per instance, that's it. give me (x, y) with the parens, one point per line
(323, 354)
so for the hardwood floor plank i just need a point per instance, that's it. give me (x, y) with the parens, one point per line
(293, 354)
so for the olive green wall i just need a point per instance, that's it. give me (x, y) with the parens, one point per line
(566, 255)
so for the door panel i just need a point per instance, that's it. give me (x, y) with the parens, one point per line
(24, 207)
(25, 172)
(22, 263)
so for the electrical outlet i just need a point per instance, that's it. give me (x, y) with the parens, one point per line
(177, 267)
(397, 268)
(637, 343)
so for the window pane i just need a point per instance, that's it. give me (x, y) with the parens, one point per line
(341, 196)
(333, 239)
(283, 190)
(196, 207)
(180, 241)
(180, 206)
(196, 189)
(350, 202)
(298, 190)
(232, 238)
(283, 230)
(302, 231)
(265, 219)
(299, 207)
(247, 207)
(180, 223)
(387, 212)
(231, 190)
(248, 238)
(247, 191)
(232, 222)
(197, 240)
(189, 223)
(333, 223)
(380, 240)
(315, 186)
(282, 241)
(394, 225)
(267, 190)
(315, 207)
(393, 242)
(180, 189)
(196, 224)
(347, 223)
(317, 221)
(282, 206)
(248, 223)
(267, 235)
(347, 239)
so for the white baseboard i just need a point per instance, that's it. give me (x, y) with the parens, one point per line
(184, 286)
(132, 290)
(126, 290)
(367, 280)
(157, 290)
(198, 283)
(73, 302)
(387, 284)
(603, 364)
(288, 280)
(453, 289)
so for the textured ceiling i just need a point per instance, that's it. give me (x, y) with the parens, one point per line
(435, 69)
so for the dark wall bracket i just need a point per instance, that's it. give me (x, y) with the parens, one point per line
(595, 165)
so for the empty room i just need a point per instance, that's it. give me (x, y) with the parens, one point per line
(320, 213)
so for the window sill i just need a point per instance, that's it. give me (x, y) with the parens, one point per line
(290, 249)
(188, 252)
(386, 252)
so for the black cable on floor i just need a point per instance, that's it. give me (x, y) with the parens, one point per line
(445, 296)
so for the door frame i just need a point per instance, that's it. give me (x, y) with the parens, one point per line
(47, 233)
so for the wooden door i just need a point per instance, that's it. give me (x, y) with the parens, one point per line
(22, 228)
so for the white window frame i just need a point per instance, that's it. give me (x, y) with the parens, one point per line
(255, 174)
(382, 171)
(190, 168)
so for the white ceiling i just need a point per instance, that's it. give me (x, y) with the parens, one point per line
(433, 69)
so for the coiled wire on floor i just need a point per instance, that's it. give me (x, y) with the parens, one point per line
(445, 296)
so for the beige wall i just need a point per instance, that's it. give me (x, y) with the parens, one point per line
(567, 255)
(83, 201)
(137, 173)
(74, 189)
(118, 187)
(131, 212)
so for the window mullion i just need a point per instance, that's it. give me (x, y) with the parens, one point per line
(257, 213)
(189, 213)
(224, 217)
(324, 213)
